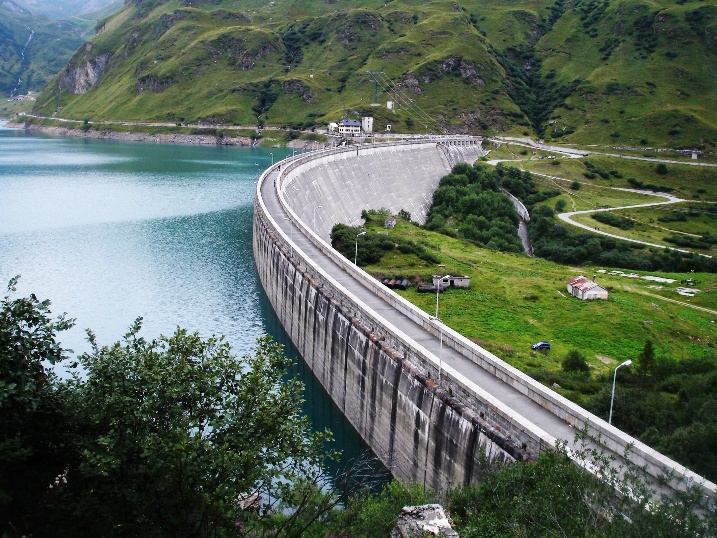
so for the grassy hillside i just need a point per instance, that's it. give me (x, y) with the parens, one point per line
(515, 301)
(32, 49)
(629, 71)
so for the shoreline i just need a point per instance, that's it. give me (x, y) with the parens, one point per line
(220, 139)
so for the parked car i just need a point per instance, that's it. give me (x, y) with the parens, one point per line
(542, 345)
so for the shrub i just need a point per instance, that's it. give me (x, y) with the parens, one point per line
(575, 362)
(611, 219)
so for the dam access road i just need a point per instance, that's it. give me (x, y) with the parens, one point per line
(511, 410)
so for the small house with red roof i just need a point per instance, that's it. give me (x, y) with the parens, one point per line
(585, 289)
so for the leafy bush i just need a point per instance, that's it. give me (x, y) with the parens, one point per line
(611, 219)
(575, 361)
(370, 248)
(705, 242)
(656, 188)
(673, 216)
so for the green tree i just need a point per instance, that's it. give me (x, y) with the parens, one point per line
(375, 514)
(555, 497)
(168, 433)
(575, 362)
(31, 426)
(645, 361)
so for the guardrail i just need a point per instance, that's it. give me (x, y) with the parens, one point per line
(654, 463)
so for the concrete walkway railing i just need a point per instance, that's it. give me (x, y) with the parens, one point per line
(610, 437)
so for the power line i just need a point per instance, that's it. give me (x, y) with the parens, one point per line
(408, 103)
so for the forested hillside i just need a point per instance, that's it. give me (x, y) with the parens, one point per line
(623, 72)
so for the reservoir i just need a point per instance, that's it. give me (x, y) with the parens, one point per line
(111, 231)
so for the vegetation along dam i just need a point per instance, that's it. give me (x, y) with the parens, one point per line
(428, 401)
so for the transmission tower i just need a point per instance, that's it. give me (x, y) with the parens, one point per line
(374, 77)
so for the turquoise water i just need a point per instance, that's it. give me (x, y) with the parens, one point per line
(110, 231)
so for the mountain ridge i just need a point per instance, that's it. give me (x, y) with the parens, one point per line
(626, 71)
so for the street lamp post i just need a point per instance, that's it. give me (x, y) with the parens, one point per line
(356, 245)
(438, 289)
(317, 207)
(614, 378)
(272, 158)
(440, 349)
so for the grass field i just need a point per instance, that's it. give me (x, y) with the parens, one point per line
(693, 184)
(648, 228)
(515, 301)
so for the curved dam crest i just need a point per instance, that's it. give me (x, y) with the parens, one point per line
(417, 430)
(376, 354)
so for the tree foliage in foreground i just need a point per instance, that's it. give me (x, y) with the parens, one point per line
(170, 432)
(163, 437)
(152, 437)
(553, 497)
(31, 424)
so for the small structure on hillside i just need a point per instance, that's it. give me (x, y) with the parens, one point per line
(367, 124)
(452, 281)
(585, 289)
(390, 222)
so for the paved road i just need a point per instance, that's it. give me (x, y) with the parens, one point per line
(515, 400)
(451, 359)
(543, 419)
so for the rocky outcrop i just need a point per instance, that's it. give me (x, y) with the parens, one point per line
(306, 94)
(153, 84)
(420, 521)
(451, 65)
(80, 79)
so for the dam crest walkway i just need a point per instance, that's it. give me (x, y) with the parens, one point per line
(297, 204)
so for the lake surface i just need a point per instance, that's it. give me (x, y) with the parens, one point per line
(110, 231)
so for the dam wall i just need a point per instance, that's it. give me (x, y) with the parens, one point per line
(337, 186)
(416, 429)
(384, 381)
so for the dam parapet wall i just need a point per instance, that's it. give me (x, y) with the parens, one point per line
(437, 428)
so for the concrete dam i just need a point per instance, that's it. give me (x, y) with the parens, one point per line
(433, 405)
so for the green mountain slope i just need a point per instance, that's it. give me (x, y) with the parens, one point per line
(32, 49)
(621, 72)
